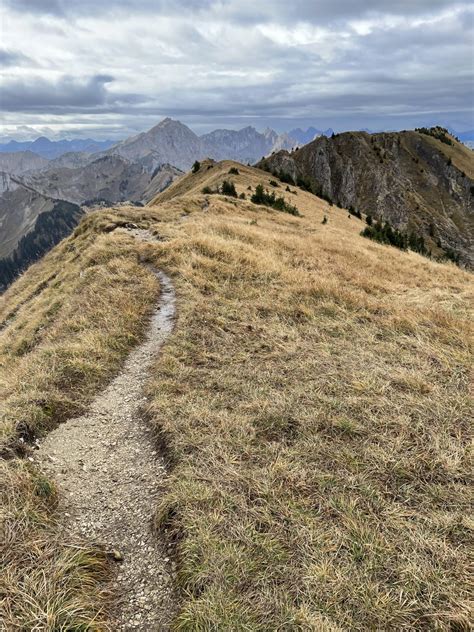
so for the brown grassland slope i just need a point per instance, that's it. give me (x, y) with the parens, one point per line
(312, 402)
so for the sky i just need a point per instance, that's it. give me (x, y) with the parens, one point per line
(111, 68)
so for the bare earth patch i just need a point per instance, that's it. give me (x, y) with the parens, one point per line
(109, 472)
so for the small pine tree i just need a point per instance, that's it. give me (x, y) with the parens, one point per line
(228, 188)
(234, 171)
(369, 220)
(325, 220)
(196, 166)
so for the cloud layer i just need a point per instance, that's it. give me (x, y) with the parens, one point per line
(107, 69)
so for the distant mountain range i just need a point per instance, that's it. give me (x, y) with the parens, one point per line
(306, 136)
(52, 149)
(36, 176)
(173, 142)
(170, 142)
(246, 140)
(40, 177)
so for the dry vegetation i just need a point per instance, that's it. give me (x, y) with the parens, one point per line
(67, 324)
(312, 402)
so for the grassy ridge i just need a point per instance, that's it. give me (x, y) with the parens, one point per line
(312, 402)
(314, 405)
(67, 325)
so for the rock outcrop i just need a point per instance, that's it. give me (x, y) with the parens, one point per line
(423, 182)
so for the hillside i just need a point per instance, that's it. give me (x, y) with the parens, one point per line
(46, 194)
(311, 406)
(49, 228)
(20, 207)
(133, 170)
(21, 161)
(109, 178)
(414, 180)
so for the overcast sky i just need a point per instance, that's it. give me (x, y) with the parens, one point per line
(110, 68)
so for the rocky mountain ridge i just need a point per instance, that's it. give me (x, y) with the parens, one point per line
(419, 181)
(173, 142)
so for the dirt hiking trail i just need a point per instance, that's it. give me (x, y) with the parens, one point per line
(109, 472)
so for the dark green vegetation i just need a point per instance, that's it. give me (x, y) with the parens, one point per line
(440, 133)
(50, 228)
(226, 188)
(384, 233)
(264, 198)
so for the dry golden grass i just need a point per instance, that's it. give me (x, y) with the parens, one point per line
(48, 582)
(67, 324)
(313, 404)
(461, 155)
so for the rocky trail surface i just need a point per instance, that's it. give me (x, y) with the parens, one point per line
(109, 472)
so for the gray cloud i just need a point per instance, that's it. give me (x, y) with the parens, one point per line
(13, 58)
(346, 64)
(68, 92)
(246, 10)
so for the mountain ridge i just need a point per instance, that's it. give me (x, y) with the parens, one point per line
(417, 180)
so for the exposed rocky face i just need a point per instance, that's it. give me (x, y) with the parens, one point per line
(21, 161)
(31, 203)
(169, 141)
(246, 145)
(19, 209)
(174, 143)
(110, 178)
(302, 137)
(411, 179)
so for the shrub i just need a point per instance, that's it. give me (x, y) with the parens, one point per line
(451, 255)
(386, 234)
(196, 166)
(284, 177)
(305, 184)
(325, 220)
(228, 188)
(234, 171)
(369, 220)
(354, 212)
(440, 133)
(274, 183)
(264, 198)
(242, 196)
(207, 190)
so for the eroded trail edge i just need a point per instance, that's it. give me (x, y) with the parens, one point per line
(109, 474)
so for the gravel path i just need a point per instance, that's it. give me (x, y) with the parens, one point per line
(108, 470)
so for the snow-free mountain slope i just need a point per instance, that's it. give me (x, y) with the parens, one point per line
(418, 181)
(312, 406)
